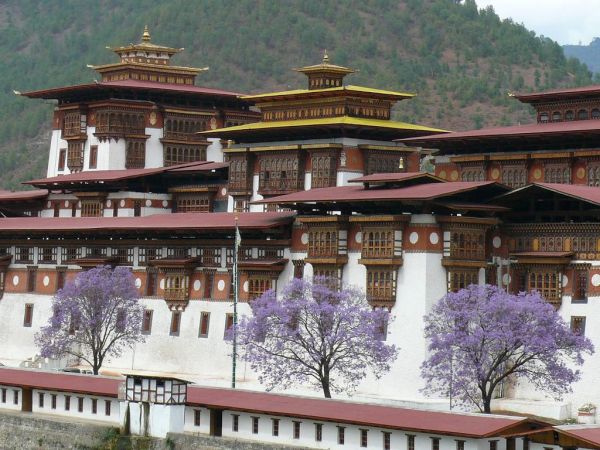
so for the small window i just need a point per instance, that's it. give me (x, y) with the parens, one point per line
(556, 116)
(94, 406)
(31, 280)
(228, 322)
(544, 117)
(67, 402)
(56, 211)
(364, 437)
(582, 114)
(16, 397)
(318, 432)
(493, 445)
(204, 323)
(297, 430)
(93, 156)
(410, 442)
(235, 422)
(175, 323)
(595, 113)
(60, 279)
(107, 406)
(137, 208)
(569, 115)
(578, 325)
(580, 280)
(41, 400)
(115, 206)
(53, 401)
(387, 440)
(460, 445)
(341, 438)
(80, 404)
(3, 395)
(147, 322)
(275, 427)
(197, 414)
(254, 425)
(28, 315)
(62, 158)
(435, 443)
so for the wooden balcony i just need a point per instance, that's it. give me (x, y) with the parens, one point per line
(179, 136)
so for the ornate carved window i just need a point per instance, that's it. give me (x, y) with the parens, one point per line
(514, 176)
(270, 253)
(193, 202)
(178, 154)
(547, 283)
(461, 278)
(74, 124)
(569, 115)
(331, 272)
(93, 157)
(211, 256)
(47, 255)
(115, 123)
(240, 204)
(70, 254)
(135, 156)
(557, 173)
(178, 252)
(324, 170)
(62, 158)
(258, 285)
(582, 114)
(467, 244)
(472, 173)
(281, 173)
(123, 255)
(381, 285)
(580, 285)
(75, 156)
(384, 162)
(24, 255)
(182, 128)
(378, 243)
(91, 208)
(594, 173)
(578, 325)
(176, 286)
(323, 242)
(239, 177)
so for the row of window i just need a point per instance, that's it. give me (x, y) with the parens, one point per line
(557, 116)
(80, 403)
(175, 326)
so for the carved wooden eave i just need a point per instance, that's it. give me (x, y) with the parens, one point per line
(323, 220)
(90, 262)
(270, 265)
(542, 258)
(463, 263)
(170, 264)
(461, 220)
(339, 260)
(392, 262)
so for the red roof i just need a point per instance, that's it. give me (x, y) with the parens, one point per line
(132, 84)
(99, 176)
(8, 196)
(156, 222)
(564, 93)
(586, 433)
(428, 191)
(468, 425)
(395, 177)
(590, 194)
(530, 130)
(60, 381)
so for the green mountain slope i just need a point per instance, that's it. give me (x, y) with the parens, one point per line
(587, 54)
(461, 61)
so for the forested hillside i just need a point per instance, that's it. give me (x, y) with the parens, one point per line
(462, 62)
(587, 54)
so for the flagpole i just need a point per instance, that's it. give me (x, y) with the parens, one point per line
(236, 244)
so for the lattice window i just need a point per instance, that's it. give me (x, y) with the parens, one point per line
(211, 256)
(580, 285)
(178, 154)
(47, 255)
(91, 208)
(123, 255)
(178, 252)
(74, 124)
(119, 123)
(378, 243)
(135, 155)
(578, 325)
(594, 174)
(280, 173)
(184, 128)
(62, 158)
(329, 272)
(146, 254)
(240, 205)
(24, 255)
(270, 253)
(176, 286)
(324, 170)
(557, 173)
(93, 157)
(96, 251)
(193, 203)
(467, 244)
(323, 242)
(258, 285)
(382, 162)
(75, 155)
(70, 254)
(381, 285)
(547, 283)
(472, 173)
(461, 278)
(514, 176)
(239, 179)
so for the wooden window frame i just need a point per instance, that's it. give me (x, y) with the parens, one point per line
(67, 403)
(318, 432)
(228, 323)
(197, 417)
(296, 425)
(92, 208)
(62, 159)
(547, 282)
(93, 163)
(235, 422)
(255, 421)
(135, 154)
(258, 285)
(175, 326)
(275, 427)
(387, 440)
(94, 406)
(381, 284)
(107, 407)
(204, 327)
(41, 398)
(341, 435)
(577, 325)
(28, 315)
(580, 286)
(435, 443)
(147, 321)
(323, 170)
(364, 437)
(80, 401)
(460, 278)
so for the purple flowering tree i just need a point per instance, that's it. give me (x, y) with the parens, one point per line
(96, 316)
(327, 338)
(480, 336)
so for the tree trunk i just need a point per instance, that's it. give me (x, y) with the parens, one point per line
(326, 391)
(487, 403)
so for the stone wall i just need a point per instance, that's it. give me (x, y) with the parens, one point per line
(176, 441)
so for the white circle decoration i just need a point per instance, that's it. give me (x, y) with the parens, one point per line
(596, 279)
(565, 280)
(245, 286)
(122, 203)
(16, 280)
(223, 191)
(304, 238)
(46, 280)
(148, 203)
(358, 237)
(414, 237)
(108, 203)
(197, 285)
(162, 284)
(506, 279)
(496, 242)
(66, 203)
(221, 285)
(138, 283)
(434, 238)
(165, 203)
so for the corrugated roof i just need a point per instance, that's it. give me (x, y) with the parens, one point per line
(468, 425)
(428, 191)
(396, 177)
(156, 222)
(60, 381)
(9, 196)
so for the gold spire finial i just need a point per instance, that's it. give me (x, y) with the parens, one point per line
(325, 57)
(146, 35)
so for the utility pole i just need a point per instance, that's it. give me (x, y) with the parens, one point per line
(237, 241)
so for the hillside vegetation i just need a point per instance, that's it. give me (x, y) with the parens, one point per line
(587, 54)
(462, 62)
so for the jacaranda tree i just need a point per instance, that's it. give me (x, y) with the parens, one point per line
(315, 335)
(480, 336)
(95, 316)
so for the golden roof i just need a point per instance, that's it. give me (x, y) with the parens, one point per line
(146, 45)
(340, 89)
(325, 66)
(340, 120)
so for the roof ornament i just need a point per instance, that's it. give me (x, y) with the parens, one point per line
(325, 57)
(146, 35)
